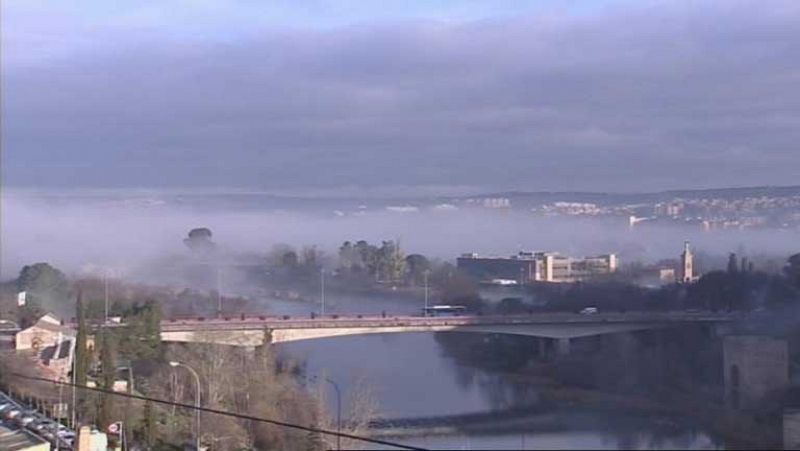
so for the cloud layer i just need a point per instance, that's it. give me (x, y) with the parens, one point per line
(648, 96)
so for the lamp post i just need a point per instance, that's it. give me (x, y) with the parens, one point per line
(175, 364)
(219, 291)
(425, 275)
(322, 289)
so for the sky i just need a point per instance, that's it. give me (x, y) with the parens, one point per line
(433, 96)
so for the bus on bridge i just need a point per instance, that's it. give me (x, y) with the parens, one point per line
(444, 310)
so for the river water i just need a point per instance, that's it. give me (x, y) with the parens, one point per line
(411, 375)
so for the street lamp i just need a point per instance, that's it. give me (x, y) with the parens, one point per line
(175, 364)
(338, 410)
(219, 291)
(425, 275)
(322, 289)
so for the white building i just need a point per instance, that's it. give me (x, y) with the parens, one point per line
(686, 270)
(537, 267)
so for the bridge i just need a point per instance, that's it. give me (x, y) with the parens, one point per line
(560, 327)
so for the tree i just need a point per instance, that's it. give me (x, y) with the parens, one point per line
(792, 269)
(47, 288)
(81, 351)
(312, 260)
(719, 290)
(199, 241)
(733, 265)
(368, 258)
(108, 372)
(290, 259)
(460, 290)
(391, 261)
(149, 431)
(152, 327)
(416, 265)
(348, 257)
(142, 338)
(282, 256)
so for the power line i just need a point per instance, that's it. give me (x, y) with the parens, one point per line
(220, 412)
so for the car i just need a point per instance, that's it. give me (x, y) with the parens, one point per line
(47, 435)
(589, 311)
(45, 424)
(10, 414)
(41, 424)
(25, 419)
(65, 434)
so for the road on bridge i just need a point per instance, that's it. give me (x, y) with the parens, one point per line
(244, 322)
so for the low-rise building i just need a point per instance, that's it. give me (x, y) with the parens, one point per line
(527, 267)
(90, 439)
(47, 331)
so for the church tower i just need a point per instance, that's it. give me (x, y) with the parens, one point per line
(687, 264)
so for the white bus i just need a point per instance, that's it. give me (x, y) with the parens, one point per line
(444, 310)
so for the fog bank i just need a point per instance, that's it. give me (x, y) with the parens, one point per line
(76, 235)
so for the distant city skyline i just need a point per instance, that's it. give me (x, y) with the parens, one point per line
(451, 97)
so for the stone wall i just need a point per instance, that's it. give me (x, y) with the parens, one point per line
(755, 366)
(791, 429)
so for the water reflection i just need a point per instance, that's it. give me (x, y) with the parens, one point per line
(412, 376)
(559, 440)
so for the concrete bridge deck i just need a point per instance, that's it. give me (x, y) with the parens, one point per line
(250, 330)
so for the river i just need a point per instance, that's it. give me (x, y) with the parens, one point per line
(411, 375)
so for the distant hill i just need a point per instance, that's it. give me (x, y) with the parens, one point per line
(543, 197)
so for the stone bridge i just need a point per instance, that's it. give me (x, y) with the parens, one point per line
(561, 327)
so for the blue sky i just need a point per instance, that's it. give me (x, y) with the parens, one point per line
(287, 95)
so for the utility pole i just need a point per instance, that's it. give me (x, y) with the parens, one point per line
(105, 289)
(74, 383)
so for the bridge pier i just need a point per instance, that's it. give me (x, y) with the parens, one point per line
(542, 344)
(551, 347)
(722, 330)
(563, 346)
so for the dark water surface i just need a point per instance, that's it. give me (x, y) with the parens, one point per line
(411, 376)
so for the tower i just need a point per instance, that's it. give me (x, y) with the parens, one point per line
(686, 272)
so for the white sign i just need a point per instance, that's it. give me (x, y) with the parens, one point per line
(22, 298)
